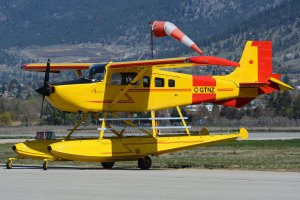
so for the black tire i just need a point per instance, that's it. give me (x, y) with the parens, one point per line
(145, 163)
(9, 164)
(45, 165)
(107, 165)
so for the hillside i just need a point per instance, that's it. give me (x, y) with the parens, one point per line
(25, 23)
(98, 31)
(280, 24)
(103, 31)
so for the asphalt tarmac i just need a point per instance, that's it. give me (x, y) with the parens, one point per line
(77, 183)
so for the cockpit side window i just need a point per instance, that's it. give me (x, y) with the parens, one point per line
(123, 78)
(96, 73)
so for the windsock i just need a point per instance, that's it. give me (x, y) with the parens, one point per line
(163, 28)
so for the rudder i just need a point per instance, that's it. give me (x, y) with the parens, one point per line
(255, 63)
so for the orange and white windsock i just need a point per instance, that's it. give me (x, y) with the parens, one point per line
(163, 28)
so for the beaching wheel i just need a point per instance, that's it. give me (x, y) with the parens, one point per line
(145, 163)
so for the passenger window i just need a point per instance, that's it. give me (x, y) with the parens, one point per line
(123, 78)
(146, 81)
(171, 83)
(116, 79)
(159, 82)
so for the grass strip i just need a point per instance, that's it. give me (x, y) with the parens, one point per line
(271, 155)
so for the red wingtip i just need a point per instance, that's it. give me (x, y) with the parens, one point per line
(212, 60)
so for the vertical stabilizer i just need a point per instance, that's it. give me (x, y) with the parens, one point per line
(254, 76)
(255, 63)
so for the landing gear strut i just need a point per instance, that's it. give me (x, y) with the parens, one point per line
(145, 163)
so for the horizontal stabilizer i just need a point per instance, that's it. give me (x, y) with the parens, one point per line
(243, 134)
(274, 85)
(281, 85)
(251, 84)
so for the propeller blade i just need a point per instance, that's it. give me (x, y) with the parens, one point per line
(45, 90)
(47, 73)
(41, 114)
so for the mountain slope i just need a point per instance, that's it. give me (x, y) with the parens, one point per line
(281, 24)
(26, 23)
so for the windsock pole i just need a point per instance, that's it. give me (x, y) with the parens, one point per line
(151, 42)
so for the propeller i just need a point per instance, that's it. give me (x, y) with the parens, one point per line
(45, 90)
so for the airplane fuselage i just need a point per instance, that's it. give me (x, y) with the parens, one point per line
(154, 90)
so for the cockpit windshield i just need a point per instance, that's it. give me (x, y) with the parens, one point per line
(96, 73)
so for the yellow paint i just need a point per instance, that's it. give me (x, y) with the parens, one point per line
(117, 149)
(136, 97)
(132, 148)
(36, 149)
(167, 89)
(246, 72)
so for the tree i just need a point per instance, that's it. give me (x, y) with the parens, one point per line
(296, 107)
(5, 119)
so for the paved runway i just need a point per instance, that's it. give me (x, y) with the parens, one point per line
(72, 183)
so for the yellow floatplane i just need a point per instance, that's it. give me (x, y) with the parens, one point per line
(145, 86)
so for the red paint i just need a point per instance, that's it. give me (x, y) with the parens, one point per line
(212, 60)
(177, 34)
(105, 101)
(53, 68)
(205, 60)
(201, 98)
(251, 62)
(145, 63)
(225, 89)
(158, 28)
(204, 81)
(196, 48)
(271, 87)
(159, 90)
(235, 102)
(277, 76)
(264, 59)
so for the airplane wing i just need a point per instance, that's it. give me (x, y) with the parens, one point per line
(56, 67)
(178, 62)
(157, 63)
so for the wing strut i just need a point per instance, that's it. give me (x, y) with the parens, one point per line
(182, 120)
(154, 124)
(138, 76)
